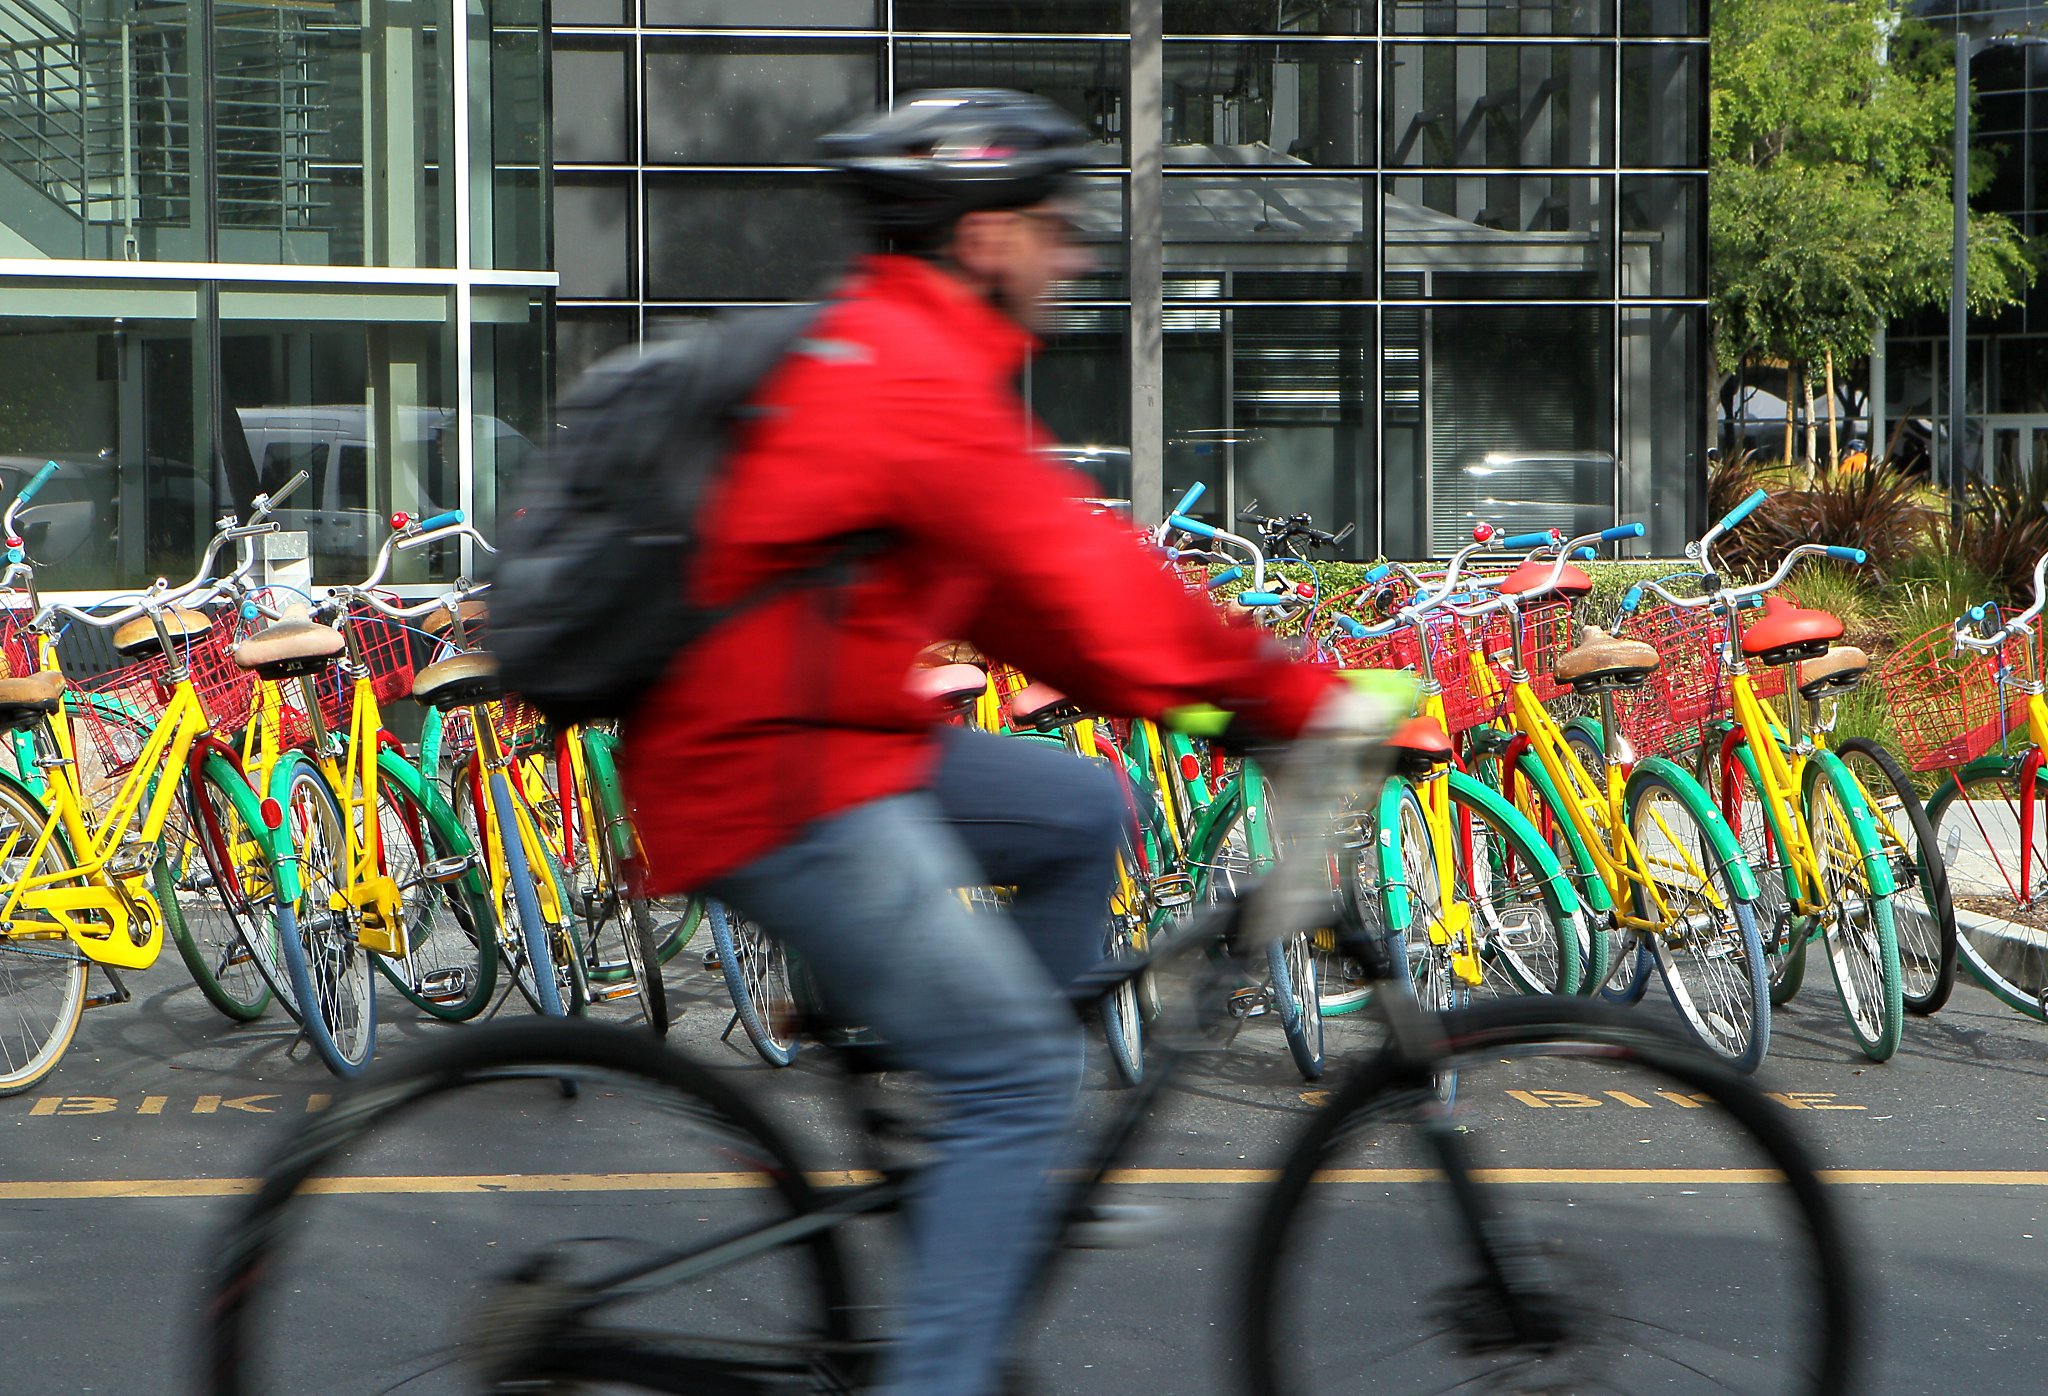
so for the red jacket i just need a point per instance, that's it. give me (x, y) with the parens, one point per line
(898, 414)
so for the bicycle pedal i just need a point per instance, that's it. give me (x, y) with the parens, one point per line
(607, 993)
(1248, 1003)
(452, 869)
(711, 960)
(1173, 891)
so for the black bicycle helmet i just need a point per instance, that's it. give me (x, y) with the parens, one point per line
(947, 152)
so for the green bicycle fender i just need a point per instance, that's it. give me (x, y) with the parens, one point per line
(1591, 886)
(427, 795)
(1726, 849)
(1393, 874)
(1258, 827)
(1477, 794)
(248, 805)
(1592, 728)
(1994, 764)
(430, 740)
(1878, 868)
(598, 759)
(1756, 782)
(1179, 745)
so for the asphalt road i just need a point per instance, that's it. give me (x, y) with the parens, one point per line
(1939, 1153)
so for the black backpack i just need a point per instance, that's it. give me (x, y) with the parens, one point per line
(586, 599)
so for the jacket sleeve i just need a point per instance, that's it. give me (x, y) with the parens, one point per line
(1068, 595)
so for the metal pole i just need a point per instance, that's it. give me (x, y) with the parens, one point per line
(1958, 343)
(1144, 237)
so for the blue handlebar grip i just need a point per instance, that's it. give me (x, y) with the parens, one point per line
(1225, 577)
(1841, 554)
(1374, 574)
(1187, 501)
(1585, 554)
(1621, 531)
(441, 520)
(1527, 540)
(1743, 510)
(42, 477)
(16, 554)
(1979, 612)
(1355, 629)
(1262, 598)
(1631, 599)
(1194, 526)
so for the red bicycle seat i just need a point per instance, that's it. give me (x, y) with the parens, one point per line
(949, 685)
(1042, 706)
(1787, 628)
(1424, 739)
(1572, 583)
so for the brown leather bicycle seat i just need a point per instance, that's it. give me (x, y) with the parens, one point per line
(1605, 661)
(456, 680)
(1572, 583)
(23, 701)
(138, 636)
(474, 613)
(1788, 632)
(290, 648)
(1837, 671)
(1044, 707)
(949, 685)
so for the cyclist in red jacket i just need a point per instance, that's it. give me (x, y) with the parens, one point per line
(783, 765)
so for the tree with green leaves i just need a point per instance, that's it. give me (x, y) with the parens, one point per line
(1829, 211)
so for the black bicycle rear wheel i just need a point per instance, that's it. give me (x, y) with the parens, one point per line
(1713, 1264)
(421, 1234)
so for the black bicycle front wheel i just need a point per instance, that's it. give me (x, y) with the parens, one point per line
(441, 1178)
(1714, 1263)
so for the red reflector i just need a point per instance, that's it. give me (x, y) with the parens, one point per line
(273, 815)
(1305, 591)
(400, 520)
(1190, 766)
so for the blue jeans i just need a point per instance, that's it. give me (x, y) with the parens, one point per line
(972, 1001)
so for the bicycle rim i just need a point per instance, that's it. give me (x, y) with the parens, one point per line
(1998, 880)
(1784, 936)
(42, 977)
(330, 973)
(1862, 947)
(1707, 950)
(450, 1176)
(1922, 916)
(756, 972)
(1531, 945)
(448, 970)
(1123, 1025)
(1364, 1272)
(215, 886)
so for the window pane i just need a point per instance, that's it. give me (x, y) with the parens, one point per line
(1264, 17)
(593, 99)
(1079, 388)
(585, 334)
(1498, 104)
(748, 102)
(1679, 18)
(1663, 235)
(1099, 212)
(1493, 17)
(300, 373)
(762, 14)
(1012, 16)
(1499, 237)
(1269, 403)
(1663, 105)
(592, 12)
(510, 384)
(1664, 431)
(1085, 79)
(510, 138)
(1285, 236)
(1307, 102)
(742, 237)
(594, 236)
(1510, 418)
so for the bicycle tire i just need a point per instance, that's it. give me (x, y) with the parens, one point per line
(1123, 1021)
(42, 980)
(223, 939)
(240, 853)
(450, 968)
(332, 979)
(2000, 897)
(1291, 965)
(1783, 1306)
(712, 1168)
(1862, 951)
(1709, 954)
(1533, 939)
(1729, 774)
(757, 975)
(1923, 912)
(612, 903)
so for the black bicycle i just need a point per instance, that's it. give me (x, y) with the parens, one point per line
(421, 1235)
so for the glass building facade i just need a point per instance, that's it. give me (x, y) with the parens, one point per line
(1418, 263)
(244, 238)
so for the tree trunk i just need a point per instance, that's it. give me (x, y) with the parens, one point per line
(1812, 424)
(1791, 387)
(1834, 438)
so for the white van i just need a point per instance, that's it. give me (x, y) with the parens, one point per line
(346, 504)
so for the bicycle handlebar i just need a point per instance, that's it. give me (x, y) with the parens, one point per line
(1736, 595)
(1978, 614)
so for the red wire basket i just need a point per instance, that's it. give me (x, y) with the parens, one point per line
(1546, 631)
(520, 727)
(1689, 692)
(117, 710)
(1948, 703)
(387, 651)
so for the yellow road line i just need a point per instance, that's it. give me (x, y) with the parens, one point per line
(485, 1183)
